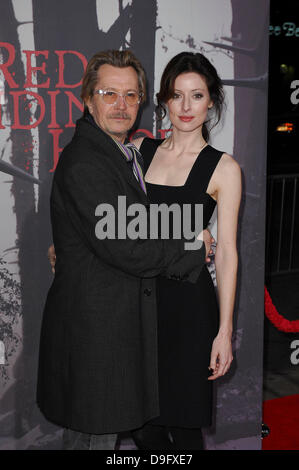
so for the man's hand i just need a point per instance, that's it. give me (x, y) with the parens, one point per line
(207, 238)
(52, 257)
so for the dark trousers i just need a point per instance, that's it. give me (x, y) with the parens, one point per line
(152, 437)
(73, 440)
(149, 437)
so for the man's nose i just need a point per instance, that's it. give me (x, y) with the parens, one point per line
(120, 102)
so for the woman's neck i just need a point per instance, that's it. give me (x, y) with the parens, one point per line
(185, 141)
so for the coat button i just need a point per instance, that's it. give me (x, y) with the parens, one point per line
(147, 291)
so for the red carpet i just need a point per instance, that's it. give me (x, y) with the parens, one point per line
(282, 417)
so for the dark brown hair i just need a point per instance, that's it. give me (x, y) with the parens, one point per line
(116, 58)
(191, 62)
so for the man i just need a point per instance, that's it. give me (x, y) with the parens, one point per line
(98, 353)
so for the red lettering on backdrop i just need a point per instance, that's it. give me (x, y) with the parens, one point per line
(1, 125)
(32, 70)
(61, 54)
(20, 98)
(8, 63)
(141, 131)
(73, 100)
(163, 132)
(56, 149)
(16, 100)
(1, 102)
(53, 124)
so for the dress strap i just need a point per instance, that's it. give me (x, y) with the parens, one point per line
(148, 149)
(204, 167)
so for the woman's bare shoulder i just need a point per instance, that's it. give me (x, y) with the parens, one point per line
(227, 174)
(138, 141)
(228, 167)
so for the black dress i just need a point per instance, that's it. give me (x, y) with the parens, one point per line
(188, 316)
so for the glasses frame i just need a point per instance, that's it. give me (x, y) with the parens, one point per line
(123, 95)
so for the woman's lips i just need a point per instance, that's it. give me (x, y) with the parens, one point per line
(186, 118)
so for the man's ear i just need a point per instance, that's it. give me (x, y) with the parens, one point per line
(88, 103)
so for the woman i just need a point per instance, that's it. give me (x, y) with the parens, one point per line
(193, 339)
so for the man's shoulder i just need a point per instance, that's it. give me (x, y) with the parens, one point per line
(78, 150)
(80, 145)
(82, 149)
(89, 148)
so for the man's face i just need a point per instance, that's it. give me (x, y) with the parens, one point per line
(118, 118)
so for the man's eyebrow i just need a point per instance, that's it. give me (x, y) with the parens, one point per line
(116, 89)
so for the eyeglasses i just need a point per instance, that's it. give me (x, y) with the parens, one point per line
(110, 96)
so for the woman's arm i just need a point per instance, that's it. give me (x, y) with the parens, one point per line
(137, 142)
(227, 184)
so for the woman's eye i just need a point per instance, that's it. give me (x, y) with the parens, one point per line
(176, 96)
(197, 96)
(110, 93)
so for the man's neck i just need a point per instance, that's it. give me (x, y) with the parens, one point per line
(119, 137)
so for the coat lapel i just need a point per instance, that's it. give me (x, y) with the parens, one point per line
(101, 139)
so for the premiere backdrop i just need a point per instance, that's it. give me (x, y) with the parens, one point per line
(44, 47)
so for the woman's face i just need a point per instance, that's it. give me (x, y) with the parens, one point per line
(190, 103)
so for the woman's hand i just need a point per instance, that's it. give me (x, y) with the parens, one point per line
(208, 240)
(52, 257)
(205, 236)
(221, 355)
